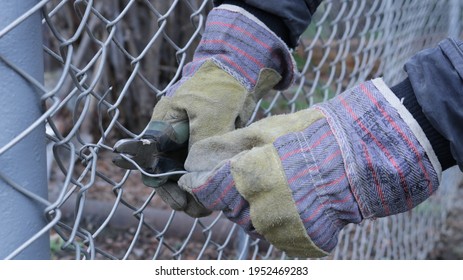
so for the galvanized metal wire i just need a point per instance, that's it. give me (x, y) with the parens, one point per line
(108, 61)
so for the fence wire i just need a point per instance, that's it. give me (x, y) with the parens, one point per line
(106, 64)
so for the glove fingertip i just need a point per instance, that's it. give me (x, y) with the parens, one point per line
(195, 209)
(175, 197)
(191, 181)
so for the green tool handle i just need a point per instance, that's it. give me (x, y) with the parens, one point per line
(172, 141)
(182, 131)
(171, 136)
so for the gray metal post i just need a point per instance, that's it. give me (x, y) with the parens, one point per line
(455, 18)
(25, 162)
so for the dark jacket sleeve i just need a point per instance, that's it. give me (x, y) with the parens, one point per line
(436, 75)
(295, 15)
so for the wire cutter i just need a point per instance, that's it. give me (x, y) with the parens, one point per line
(160, 154)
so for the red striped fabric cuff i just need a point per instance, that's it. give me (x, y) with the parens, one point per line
(242, 46)
(388, 161)
(314, 169)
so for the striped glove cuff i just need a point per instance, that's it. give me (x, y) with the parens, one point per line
(314, 169)
(389, 162)
(242, 46)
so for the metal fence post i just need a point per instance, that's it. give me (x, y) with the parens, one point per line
(25, 162)
(455, 18)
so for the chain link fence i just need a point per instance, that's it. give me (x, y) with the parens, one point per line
(107, 62)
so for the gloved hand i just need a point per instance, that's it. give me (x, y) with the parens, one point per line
(237, 61)
(298, 179)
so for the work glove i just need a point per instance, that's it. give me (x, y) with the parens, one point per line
(237, 61)
(296, 180)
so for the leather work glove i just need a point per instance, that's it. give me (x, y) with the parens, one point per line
(237, 61)
(296, 180)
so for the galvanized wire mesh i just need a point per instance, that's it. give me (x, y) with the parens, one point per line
(108, 61)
